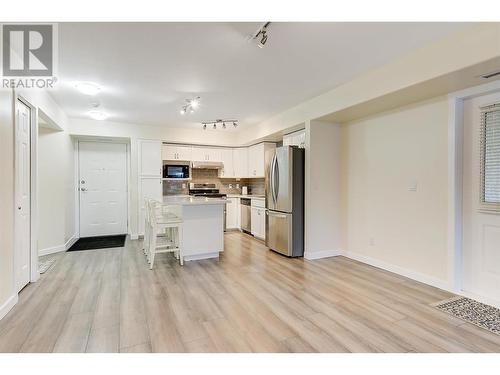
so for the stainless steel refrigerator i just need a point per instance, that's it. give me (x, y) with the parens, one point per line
(285, 202)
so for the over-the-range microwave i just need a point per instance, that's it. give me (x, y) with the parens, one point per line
(176, 171)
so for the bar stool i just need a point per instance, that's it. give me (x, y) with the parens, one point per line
(165, 231)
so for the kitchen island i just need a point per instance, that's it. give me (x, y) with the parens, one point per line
(203, 225)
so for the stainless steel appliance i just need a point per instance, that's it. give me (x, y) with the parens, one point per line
(176, 171)
(285, 202)
(246, 215)
(209, 191)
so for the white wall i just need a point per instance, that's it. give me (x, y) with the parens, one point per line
(7, 295)
(384, 223)
(56, 213)
(322, 190)
(55, 176)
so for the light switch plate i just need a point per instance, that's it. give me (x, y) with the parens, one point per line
(413, 185)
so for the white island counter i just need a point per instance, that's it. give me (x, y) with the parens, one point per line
(203, 225)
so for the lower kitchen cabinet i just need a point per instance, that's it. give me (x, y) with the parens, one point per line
(233, 213)
(259, 222)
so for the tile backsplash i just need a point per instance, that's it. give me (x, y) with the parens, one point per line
(256, 186)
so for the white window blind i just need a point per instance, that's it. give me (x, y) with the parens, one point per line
(490, 157)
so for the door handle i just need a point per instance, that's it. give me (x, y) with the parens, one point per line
(19, 207)
(83, 189)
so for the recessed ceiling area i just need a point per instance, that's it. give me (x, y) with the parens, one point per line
(147, 71)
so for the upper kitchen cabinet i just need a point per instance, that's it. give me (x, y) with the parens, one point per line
(227, 159)
(176, 152)
(149, 152)
(206, 154)
(295, 139)
(259, 156)
(240, 162)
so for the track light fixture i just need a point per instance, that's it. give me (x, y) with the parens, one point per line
(190, 106)
(219, 122)
(261, 35)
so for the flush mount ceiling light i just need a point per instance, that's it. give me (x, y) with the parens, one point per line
(87, 88)
(261, 35)
(218, 122)
(98, 115)
(190, 106)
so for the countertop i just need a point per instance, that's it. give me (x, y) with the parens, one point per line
(184, 200)
(249, 196)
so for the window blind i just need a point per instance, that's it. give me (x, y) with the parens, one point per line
(490, 157)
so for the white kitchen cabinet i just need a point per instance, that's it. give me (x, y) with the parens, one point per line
(232, 212)
(240, 162)
(227, 160)
(295, 139)
(259, 222)
(149, 154)
(176, 152)
(206, 154)
(258, 156)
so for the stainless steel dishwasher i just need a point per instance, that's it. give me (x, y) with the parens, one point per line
(246, 215)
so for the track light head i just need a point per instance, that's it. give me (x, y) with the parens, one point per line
(235, 124)
(215, 126)
(204, 126)
(263, 40)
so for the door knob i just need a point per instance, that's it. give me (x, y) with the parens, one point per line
(83, 189)
(19, 207)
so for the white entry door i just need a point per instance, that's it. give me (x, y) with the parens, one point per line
(22, 256)
(103, 188)
(481, 229)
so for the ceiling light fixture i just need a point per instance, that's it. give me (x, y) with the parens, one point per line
(98, 115)
(220, 122)
(261, 35)
(190, 106)
(87, 88)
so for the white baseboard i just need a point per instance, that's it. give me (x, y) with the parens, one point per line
(417, 276)
(311, 255)
(8, 305)
(58, 249)
(188, 258)
(485, 300)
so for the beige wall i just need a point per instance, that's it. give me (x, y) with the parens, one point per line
(56, 215)
(6, 199)
(383, 221)
(322, 190)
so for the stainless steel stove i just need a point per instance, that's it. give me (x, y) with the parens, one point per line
(205, 190)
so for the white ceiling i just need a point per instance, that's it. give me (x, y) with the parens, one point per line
(148, 70)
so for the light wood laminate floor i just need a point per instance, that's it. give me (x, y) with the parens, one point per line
(251, 300)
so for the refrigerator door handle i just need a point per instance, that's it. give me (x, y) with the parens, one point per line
(276, 180)
(271, 178)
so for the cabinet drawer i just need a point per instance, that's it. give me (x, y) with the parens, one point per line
(259, 203)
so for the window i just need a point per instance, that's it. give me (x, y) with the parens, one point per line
(490, 158)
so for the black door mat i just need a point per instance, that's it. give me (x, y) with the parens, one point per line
(101, 242)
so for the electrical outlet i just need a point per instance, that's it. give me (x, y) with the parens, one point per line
(237, 186)
(183, 186)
